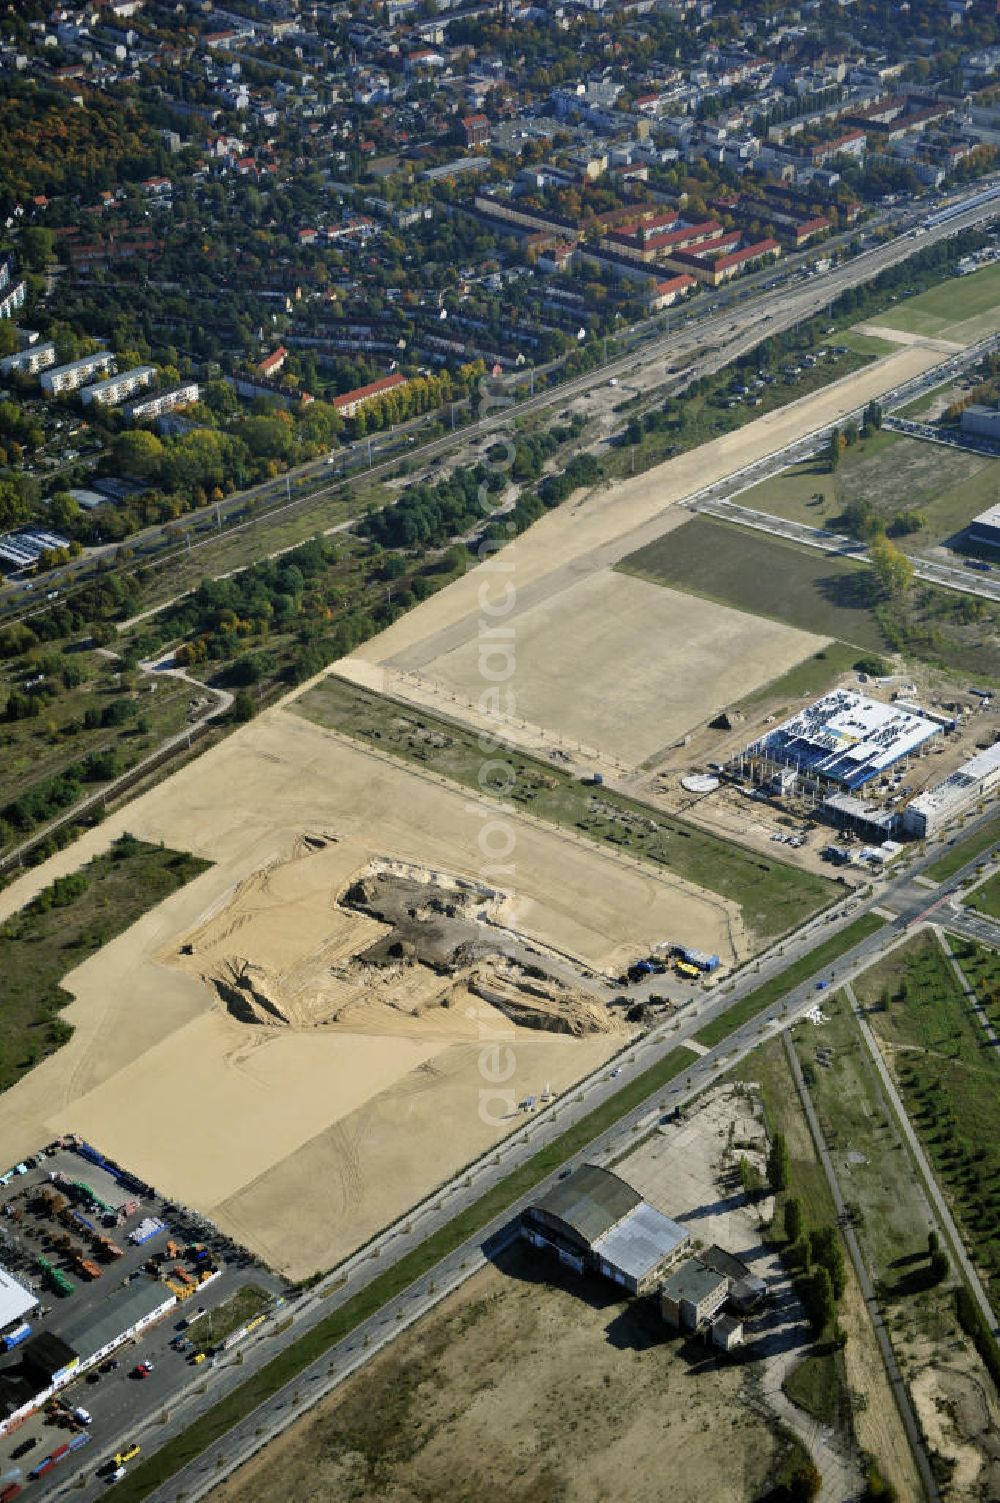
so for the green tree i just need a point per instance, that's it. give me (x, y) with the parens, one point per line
(244, 708)
(939, 1267)
(778, 1167)
(892, 569)
(139, 454)
(826, 1251)
(817, 1296)
(37, 247)
(794, 1219)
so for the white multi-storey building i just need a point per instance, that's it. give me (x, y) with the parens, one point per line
(37, 357)
(77, 373)
(115, 389)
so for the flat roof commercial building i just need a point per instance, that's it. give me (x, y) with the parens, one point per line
(16, 1301)
(594, 1221)
(844, 738)
(974, 780)
(982, 421)
(985, 528)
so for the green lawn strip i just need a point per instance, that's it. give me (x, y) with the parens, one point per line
(823, 593)
(773, 896)
(818, 1385)
(224, 1415)
(800, 970)
(64, 924)
(948, 1076)
(867, 344)
(215, 1325)
(736, 566)
(962, 851)
(943, 308)
(986, 899)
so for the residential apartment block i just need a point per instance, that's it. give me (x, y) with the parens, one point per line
(69, 377)
(115, 389)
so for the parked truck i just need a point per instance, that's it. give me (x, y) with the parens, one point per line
(15, 1337)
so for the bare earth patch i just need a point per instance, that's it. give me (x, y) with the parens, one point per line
(620, 665)
(247, 1121)
(532, 1391)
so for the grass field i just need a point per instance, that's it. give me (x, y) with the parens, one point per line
(215, 1325)
(142, 1479)
(961, 308)
(762, 996)
(60, 928)
(949, 1078)
(894, 474)
(772, 896)
(866, 344)
(766, 576)
(822, 593)
(963, 851)
(875, 1172)
(986, 899)
(812, 676)
(66, 728)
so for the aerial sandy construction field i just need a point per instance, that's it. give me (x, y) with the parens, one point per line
(299, 1113)
(593, 662)
(619, 665)
(304, 1133)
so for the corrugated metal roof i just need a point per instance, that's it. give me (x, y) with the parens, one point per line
(640, 1242)
(93, 1329)
(591, 1201)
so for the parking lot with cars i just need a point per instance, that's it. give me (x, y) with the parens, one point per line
(128, 1298)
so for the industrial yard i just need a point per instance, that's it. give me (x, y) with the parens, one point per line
(98, 1276)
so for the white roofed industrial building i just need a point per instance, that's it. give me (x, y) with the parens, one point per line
(15, 1300)
(845, 738)
(974, 780)
(637, 1251)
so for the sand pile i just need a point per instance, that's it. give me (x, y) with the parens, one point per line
(532, 999)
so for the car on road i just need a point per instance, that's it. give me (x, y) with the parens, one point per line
(24, 1448)
(143, 1369)
(127, 1453)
